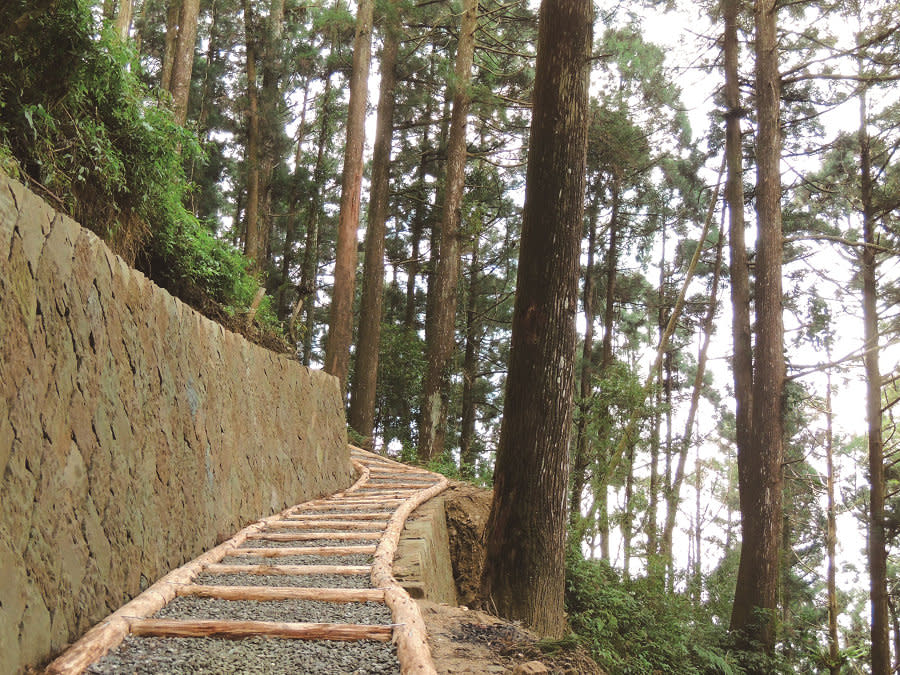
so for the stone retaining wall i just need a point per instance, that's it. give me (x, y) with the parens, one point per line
(134, 433)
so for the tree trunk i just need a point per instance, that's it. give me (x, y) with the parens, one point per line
(742, 367)
(439, 350)
(834, 654)
(582, 442)
(525, 535)
(183, 63)
(467, 450)
(253, 239)
(340, 324)
(123, 18)
(365, 374)
(654, 568)
(673, 493)
(877, 545)
(761, 476)
(309, 271)
(173, 14)
(270, 128)
(628, 520)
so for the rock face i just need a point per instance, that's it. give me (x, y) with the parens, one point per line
(134, 433)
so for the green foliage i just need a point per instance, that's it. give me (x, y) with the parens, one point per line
(633, 627)
(84, 129)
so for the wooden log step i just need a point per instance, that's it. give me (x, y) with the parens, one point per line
(311, 536)
(288, 570)
(311, 525)
(244, 629)
(282, 551)
(349, 509)
(265, 593)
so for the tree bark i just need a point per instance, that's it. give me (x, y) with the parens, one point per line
(439, 350)
(467, 451)
(834, 655)
(309, 270)
(340, 324)
(877, 545)
(123, 18)
(761, 476)
(173, 14)
(585, 386)
(523, 576)
(252, 238)
(183, 63)
(365, 374)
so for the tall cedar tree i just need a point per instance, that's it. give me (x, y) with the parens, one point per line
(442, 342)
(760, 470)
(340, 325)
(525, 536)
(253, 236)
(365, 374)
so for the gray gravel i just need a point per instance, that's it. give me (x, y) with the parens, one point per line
(354, 559)
(302, 581)
(309, 611)
(265, 543)
(251, 656)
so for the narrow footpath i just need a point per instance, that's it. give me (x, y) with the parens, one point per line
(309, 590)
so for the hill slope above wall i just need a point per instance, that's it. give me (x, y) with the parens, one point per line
(133, 431)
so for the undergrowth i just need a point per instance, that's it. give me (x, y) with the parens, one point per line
(79, 126)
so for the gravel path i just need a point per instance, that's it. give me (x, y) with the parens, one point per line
(301, 581)
(251, 656)
(354, 559)
(286, 611)
(273, 656)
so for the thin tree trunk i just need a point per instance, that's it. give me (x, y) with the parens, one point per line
(525, 534)
(628, 520)
(183, 64)
(582, 442)
(253, 239)
(877, 545)
(673, 494)
(755, 603)
(439, 349)
(270, 122)
(834, 655)
(467, 451)
(340, 325)
(365, 374)
(654, 570)
(309, 271)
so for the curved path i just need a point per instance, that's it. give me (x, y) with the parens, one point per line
(323, 560)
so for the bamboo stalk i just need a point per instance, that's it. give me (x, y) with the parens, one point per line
(243, 629)
(289, 570)
(264, 593)
(282, 551)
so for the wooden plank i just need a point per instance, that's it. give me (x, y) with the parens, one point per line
(244, 629)
(266, 593)
(282, 551)
(288, 570)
